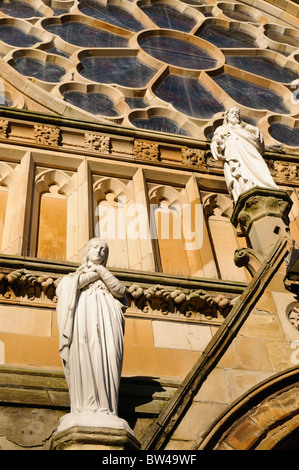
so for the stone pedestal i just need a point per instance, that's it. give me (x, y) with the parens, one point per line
(89, 438)
(93, 431)
(262, 215)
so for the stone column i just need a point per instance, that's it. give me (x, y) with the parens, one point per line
(262, 216)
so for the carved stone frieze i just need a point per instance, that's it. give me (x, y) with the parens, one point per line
(97, 143)
(194, 158)
(23, 284)
(146, 150)
(3, 128)
(155, 300)
(284, 172)
(46, 135)
(197, 304)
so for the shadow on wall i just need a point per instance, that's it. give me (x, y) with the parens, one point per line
(141, 401)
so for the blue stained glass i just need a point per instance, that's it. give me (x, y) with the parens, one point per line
(285, 134)
(136, 102)
(95, 103)
(225, 38)
(111, 14)
(188, 96)
(161, 124)
(47, 72)
(54, 50)
(168, 17)
(262, 66)
(127, 71)
(19, 9)
(86, 36)
(251, 95)
(177, 52)
(237, 15)
(60, 11)
(282, 37)
(16, 37)
(195, 2)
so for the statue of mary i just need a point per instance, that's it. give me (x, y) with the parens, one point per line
(91, 326)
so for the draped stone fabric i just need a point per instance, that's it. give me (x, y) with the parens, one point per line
(241, 146)
(91, 327)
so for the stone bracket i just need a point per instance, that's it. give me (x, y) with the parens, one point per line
(249, 259)
(257, 203)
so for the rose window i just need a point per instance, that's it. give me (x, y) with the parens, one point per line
(167, 66)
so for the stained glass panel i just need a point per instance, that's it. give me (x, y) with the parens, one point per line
(177, 52)
(282, 37)
(111, 14)
(237, 15)
(85, 36)
(224, 38)
(47, 72)
(16, 37)
(285, 134)
(263, 67)
(127, 71)
(189, 96)
(168, 17)
(250, 95)
(136, 102)
(159, 123)
(18, 9)
(95, 103)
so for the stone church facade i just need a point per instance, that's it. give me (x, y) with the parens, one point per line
(211, 331)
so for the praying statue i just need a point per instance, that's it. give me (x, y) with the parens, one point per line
(241, 146)
(90, 307)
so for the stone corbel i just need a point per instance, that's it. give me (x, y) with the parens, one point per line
(257, 203)
(249, 259)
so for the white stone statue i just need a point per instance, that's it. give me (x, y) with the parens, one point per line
(241, 146)
(91, 327)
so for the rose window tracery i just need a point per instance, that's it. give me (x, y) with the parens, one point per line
(169, 66)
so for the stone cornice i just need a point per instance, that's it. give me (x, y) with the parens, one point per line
(71, 136)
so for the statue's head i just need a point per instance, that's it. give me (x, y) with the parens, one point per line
(96, 252)
(232, 116)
